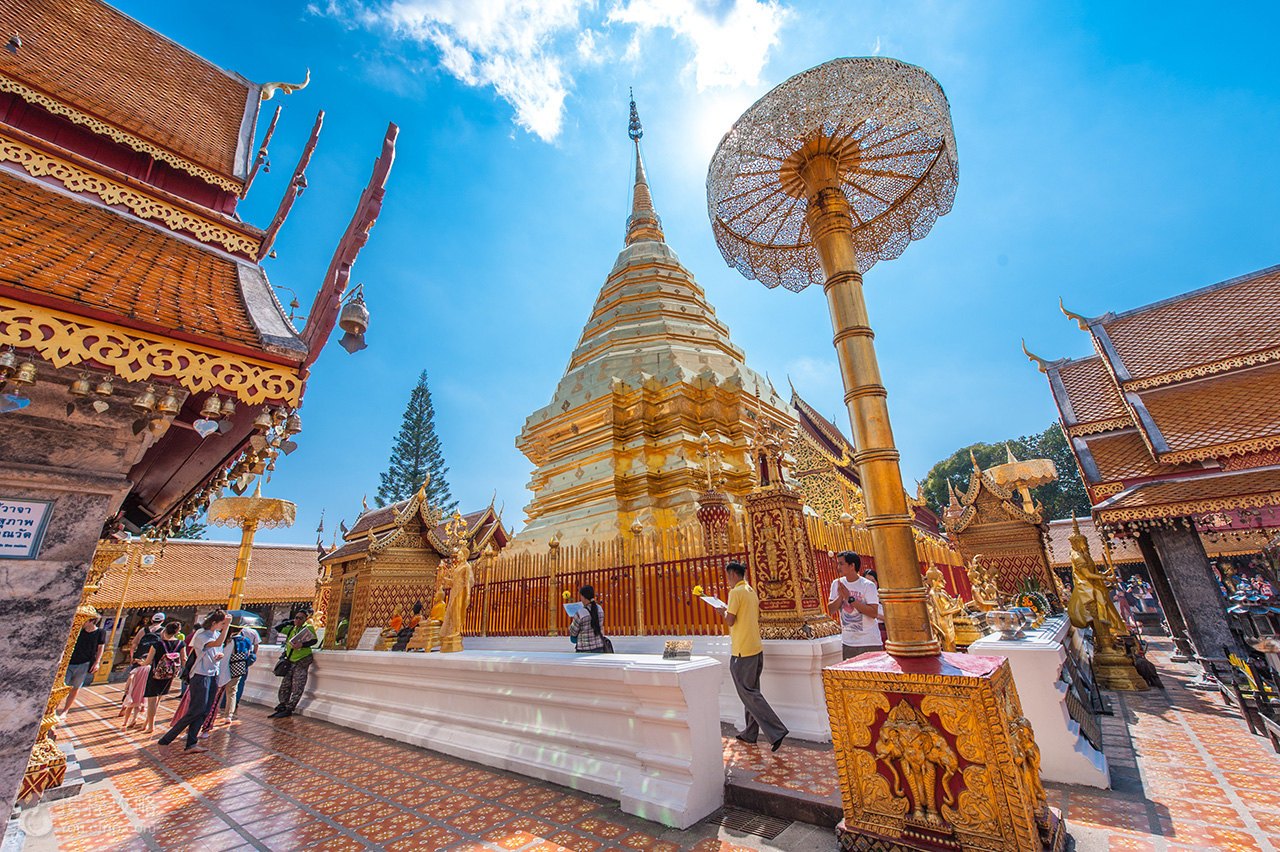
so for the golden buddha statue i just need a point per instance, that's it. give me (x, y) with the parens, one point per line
(986, 596)
(458, 581)
(426, 635)
(1091, 606)
(942, 609)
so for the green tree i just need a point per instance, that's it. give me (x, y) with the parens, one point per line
(1060, 498)
(416, 453)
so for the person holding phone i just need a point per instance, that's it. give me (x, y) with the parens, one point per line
(206, 645)
(854, 602)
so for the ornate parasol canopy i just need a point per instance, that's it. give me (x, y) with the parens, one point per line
(888, 126)
(253, 512)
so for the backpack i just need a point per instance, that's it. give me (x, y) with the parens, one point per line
(166, 665)
(241, 657)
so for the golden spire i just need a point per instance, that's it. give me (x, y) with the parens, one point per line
(643, 223)
(952, 501)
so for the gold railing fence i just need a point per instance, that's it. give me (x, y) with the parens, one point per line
(645, 583)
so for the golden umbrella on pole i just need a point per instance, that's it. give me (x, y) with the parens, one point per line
(837, 168)
(249, 514)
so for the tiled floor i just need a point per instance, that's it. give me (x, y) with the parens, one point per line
(297, 783)
(1186, 772)
(1188, 776)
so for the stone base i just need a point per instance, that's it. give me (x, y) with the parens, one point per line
(935, 753)
(1053, 838)
(451, 644)
(1116, 671)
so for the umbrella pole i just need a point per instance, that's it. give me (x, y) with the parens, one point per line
(242, 566)
(902, 592)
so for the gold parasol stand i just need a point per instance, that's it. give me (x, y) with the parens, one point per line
(249, 514)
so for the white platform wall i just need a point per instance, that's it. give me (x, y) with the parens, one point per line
(639, 729)
(1037, 661)
(792, 679)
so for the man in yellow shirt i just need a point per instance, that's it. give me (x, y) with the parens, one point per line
(746, 659)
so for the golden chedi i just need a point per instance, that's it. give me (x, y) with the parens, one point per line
(1091, 606)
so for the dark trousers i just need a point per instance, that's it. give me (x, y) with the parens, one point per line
(240, 689)
(848, 652)
(201, 688)
(293, 683)
(746, 678)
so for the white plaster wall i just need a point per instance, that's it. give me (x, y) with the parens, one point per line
(635, 728)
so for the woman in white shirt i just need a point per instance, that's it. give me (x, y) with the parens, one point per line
(207, 646)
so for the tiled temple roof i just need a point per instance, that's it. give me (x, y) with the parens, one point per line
(1229, 320)
(1123, 550)
(52, 244)
(1233, 408)
(199, 573)
(103, 63)
(1192, 495)
(1091, 390)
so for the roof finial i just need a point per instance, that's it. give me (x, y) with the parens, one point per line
(643, 223)
(634, 129)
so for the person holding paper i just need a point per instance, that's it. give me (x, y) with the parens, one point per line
(854, 601)
(298, 639)
(746, 662)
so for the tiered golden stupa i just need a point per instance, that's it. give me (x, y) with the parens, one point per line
(653, 370)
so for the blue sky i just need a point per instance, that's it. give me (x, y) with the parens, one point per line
(1113, 154)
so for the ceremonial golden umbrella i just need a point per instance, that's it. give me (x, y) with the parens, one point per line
(249, 514)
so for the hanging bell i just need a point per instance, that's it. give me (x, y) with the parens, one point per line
(81, 386)
(212, 408)
(104, 387)
(26, 374)
(170, 404)
(145, 402)
(263, 421)
(354, 320)
(293, 425)
(7, 363)
(229, 407)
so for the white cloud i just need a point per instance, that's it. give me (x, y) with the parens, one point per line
(731, 41)
(875, 49)
(527, 50)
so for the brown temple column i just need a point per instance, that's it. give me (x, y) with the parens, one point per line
(1164, 592)
(902, 591)
(1191, 580)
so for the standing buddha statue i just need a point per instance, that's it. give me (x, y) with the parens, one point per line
(1091, 606)
(942, 609)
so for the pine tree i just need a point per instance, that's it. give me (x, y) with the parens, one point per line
(416, 453)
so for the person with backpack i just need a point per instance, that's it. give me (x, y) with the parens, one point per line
(207, 646)
(244, 653)
(163, 653)
(586, 630)
(297, 636)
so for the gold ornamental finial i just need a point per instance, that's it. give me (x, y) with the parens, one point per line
(1041, 364)
(643, 223)
(268, 90)
(1081, 321)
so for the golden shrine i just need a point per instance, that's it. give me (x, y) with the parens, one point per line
(1174, 423)
(145, 361)
(390, 559)
(995, 518)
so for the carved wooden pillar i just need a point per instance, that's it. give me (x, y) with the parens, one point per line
(783, 572)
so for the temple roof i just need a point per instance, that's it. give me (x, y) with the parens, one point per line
(1090, 391)
(101, 63)
(199, 573)
(1234, 319)
(89, 257)
(1240, 407)
(483, 527)
(1193, 495)
(1123, 551)
(828, 435)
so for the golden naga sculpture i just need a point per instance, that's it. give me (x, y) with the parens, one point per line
(1026, 754)
(458, 581)
(943, 609)
(1091, 606)
(915, 751)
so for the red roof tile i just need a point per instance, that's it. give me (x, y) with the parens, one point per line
(1092, 390)
(199, 573)
(1226, 409)
(1195, 495)
(103, 63)
(59, 246)
(1206, 326)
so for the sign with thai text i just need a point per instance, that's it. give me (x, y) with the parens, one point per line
(22, 525)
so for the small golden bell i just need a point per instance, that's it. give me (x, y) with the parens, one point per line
(7, 362)
(104, 387)
(293, 425)
(229, 407)
(263, 421)
(169, 405)
(212, 408)
(26, 374)
(145, 401)
(81, 386)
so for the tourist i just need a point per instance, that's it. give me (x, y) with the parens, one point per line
(162, 655)
(221, 681)
(747, 658)
(586, 629)
(854, 602)
(86, 656)
(205, 644)
(244, 653)
(250, 635)
(297, 657)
